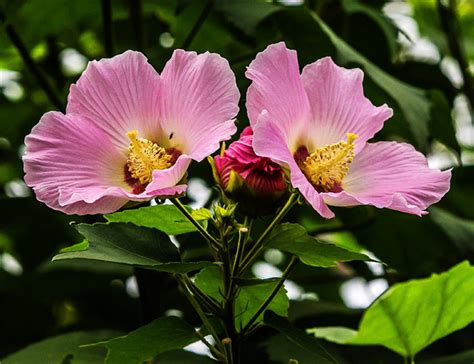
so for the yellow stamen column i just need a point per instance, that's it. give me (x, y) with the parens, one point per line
(144, 157)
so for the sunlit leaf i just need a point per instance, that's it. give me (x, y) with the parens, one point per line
(166, 218)
(412, 315)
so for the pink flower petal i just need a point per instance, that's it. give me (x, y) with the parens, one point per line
(391, 175)
(339, 106)
(118, 95)
(70, 153)
(277, 88)
(75, 168)
(171, 176)
(269, 141)
(198, 103)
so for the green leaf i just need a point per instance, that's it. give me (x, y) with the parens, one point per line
(128, 244)
(166, 218)
(304, 341)
(209, 281)
(412, 315)
(249, 298)
(79, 247)
(58, 348)
(412, 101)
(293, 239)
(335, 334)
(163, 334)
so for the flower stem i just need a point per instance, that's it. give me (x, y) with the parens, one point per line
(293, 262)
(213, 241)
(200, 296)
(255, 251)
(202, 316)
(243, 234)
(231, 346)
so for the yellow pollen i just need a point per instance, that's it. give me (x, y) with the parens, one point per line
(144, 156)
(327, 166)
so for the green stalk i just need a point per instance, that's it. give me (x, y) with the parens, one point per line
(205, 300)
(293, 262)
(243, 234)
(255, 251)
(213, 241)
(202, 316)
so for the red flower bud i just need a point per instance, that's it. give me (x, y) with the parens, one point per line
(253, 181)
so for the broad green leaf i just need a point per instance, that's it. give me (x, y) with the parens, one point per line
(305, 342)
(162, 335)
(293, 239)
(128, 244)
(209, 281)
(249, 298)
(79, 247)
(166, 218)
(58, 349)
(412, 315)
(412, 101)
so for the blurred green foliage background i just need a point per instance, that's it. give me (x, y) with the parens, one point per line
(418, 57)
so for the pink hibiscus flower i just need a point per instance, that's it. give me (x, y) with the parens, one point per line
(130, 133)
(317, 125)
